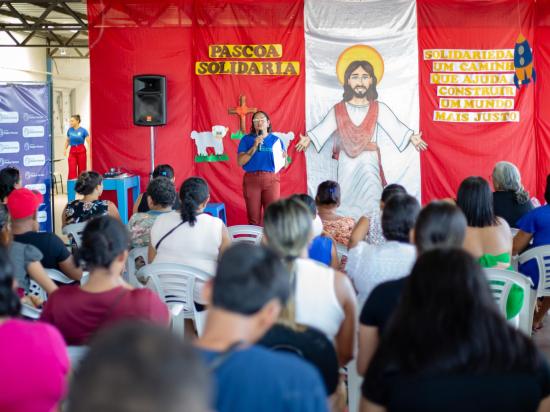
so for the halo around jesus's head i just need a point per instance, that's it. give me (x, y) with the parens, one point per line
(360, 52)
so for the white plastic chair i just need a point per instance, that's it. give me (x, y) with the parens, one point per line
(74, 232)
(541, 254)
(246, 233)
(341, 250)
(500, 282)
(76, 354)
(58, 276)
(175, 285)
(130, 273)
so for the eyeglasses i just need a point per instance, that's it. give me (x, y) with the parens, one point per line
(259, 120)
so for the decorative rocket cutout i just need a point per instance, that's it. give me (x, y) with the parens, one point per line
(523, 63)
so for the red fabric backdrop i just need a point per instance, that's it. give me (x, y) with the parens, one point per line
(542, 94)
(458, 150)
(150, 37)
(281, 97)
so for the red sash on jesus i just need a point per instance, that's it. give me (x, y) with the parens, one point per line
(356, 139)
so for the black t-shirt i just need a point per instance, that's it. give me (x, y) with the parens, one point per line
(311, 345)
(507, 207)
(381, 304)
(502, 392)
(52, 247)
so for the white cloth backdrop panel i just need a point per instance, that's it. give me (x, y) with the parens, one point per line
(331, 26)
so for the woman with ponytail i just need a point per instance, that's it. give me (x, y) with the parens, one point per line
(189, 236)
(323, 298)
(80, 311)
(27, 349)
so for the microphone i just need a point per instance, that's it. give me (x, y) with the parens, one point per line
(260, 133)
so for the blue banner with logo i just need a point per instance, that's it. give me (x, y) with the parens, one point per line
(25, 140)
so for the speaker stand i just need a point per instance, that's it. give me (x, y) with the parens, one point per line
(152, 149)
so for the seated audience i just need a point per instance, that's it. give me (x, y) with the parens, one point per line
(324, 298)
(33, 357)
(160, 198)
(328, 200)
(80, 311)
(488, 237)
(155, 371)
(9, 180)
(369, 227)
(322, 248)
(510, 199)
(189, 236)
(90, 186)
(246, 296)
(25, 258)
(439, 225)
(141, 204)
(23, 207)
(534, 230)
(369, 265)
(448, 348)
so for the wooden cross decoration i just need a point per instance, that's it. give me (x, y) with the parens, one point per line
(242, 111)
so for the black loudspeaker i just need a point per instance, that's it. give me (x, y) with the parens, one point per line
(149, 100)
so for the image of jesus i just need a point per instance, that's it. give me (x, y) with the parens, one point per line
(358, 123)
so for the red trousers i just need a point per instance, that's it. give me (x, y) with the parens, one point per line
(77, 161)
(260, 189)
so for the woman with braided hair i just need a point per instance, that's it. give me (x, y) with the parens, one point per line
(79, 312)
(189, 236)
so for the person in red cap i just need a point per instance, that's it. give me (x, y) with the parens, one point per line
(23, 207)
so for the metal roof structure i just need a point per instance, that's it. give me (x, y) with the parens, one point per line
(59, 26)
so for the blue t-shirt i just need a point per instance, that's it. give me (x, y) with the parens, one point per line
(77, 137)
(262, 159)
(320, 250)
(258, 379)
(536, 222)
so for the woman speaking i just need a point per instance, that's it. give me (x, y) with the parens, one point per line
(261, 154)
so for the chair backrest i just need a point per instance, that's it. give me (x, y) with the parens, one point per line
(341, 250)
(246, 233)
(76, 354)
(58, 276)
(74, 232)
(541, 254)
(514, 231)
(131, 269)
(501, 283)
(173, 283)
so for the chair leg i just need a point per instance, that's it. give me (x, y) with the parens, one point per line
(354, 387)
(200, 321)
(178, 326)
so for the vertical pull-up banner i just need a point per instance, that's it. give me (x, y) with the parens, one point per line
(249, 56)
(25, 140)
(477, 85)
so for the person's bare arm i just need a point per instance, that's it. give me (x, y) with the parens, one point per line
(64, 217)
(334, 261)
(69, 268)
(521, 241)
(368, 406)
(39, 275)
(151, 253)
(244, 157)
(359, 232)
(345, 339)
(136, 204)
(544, 405)
(226, 241)
(112, 210)
(368, 343)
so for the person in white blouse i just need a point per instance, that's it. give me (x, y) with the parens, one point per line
(323, 298)
(189, 236)
(369, 265)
